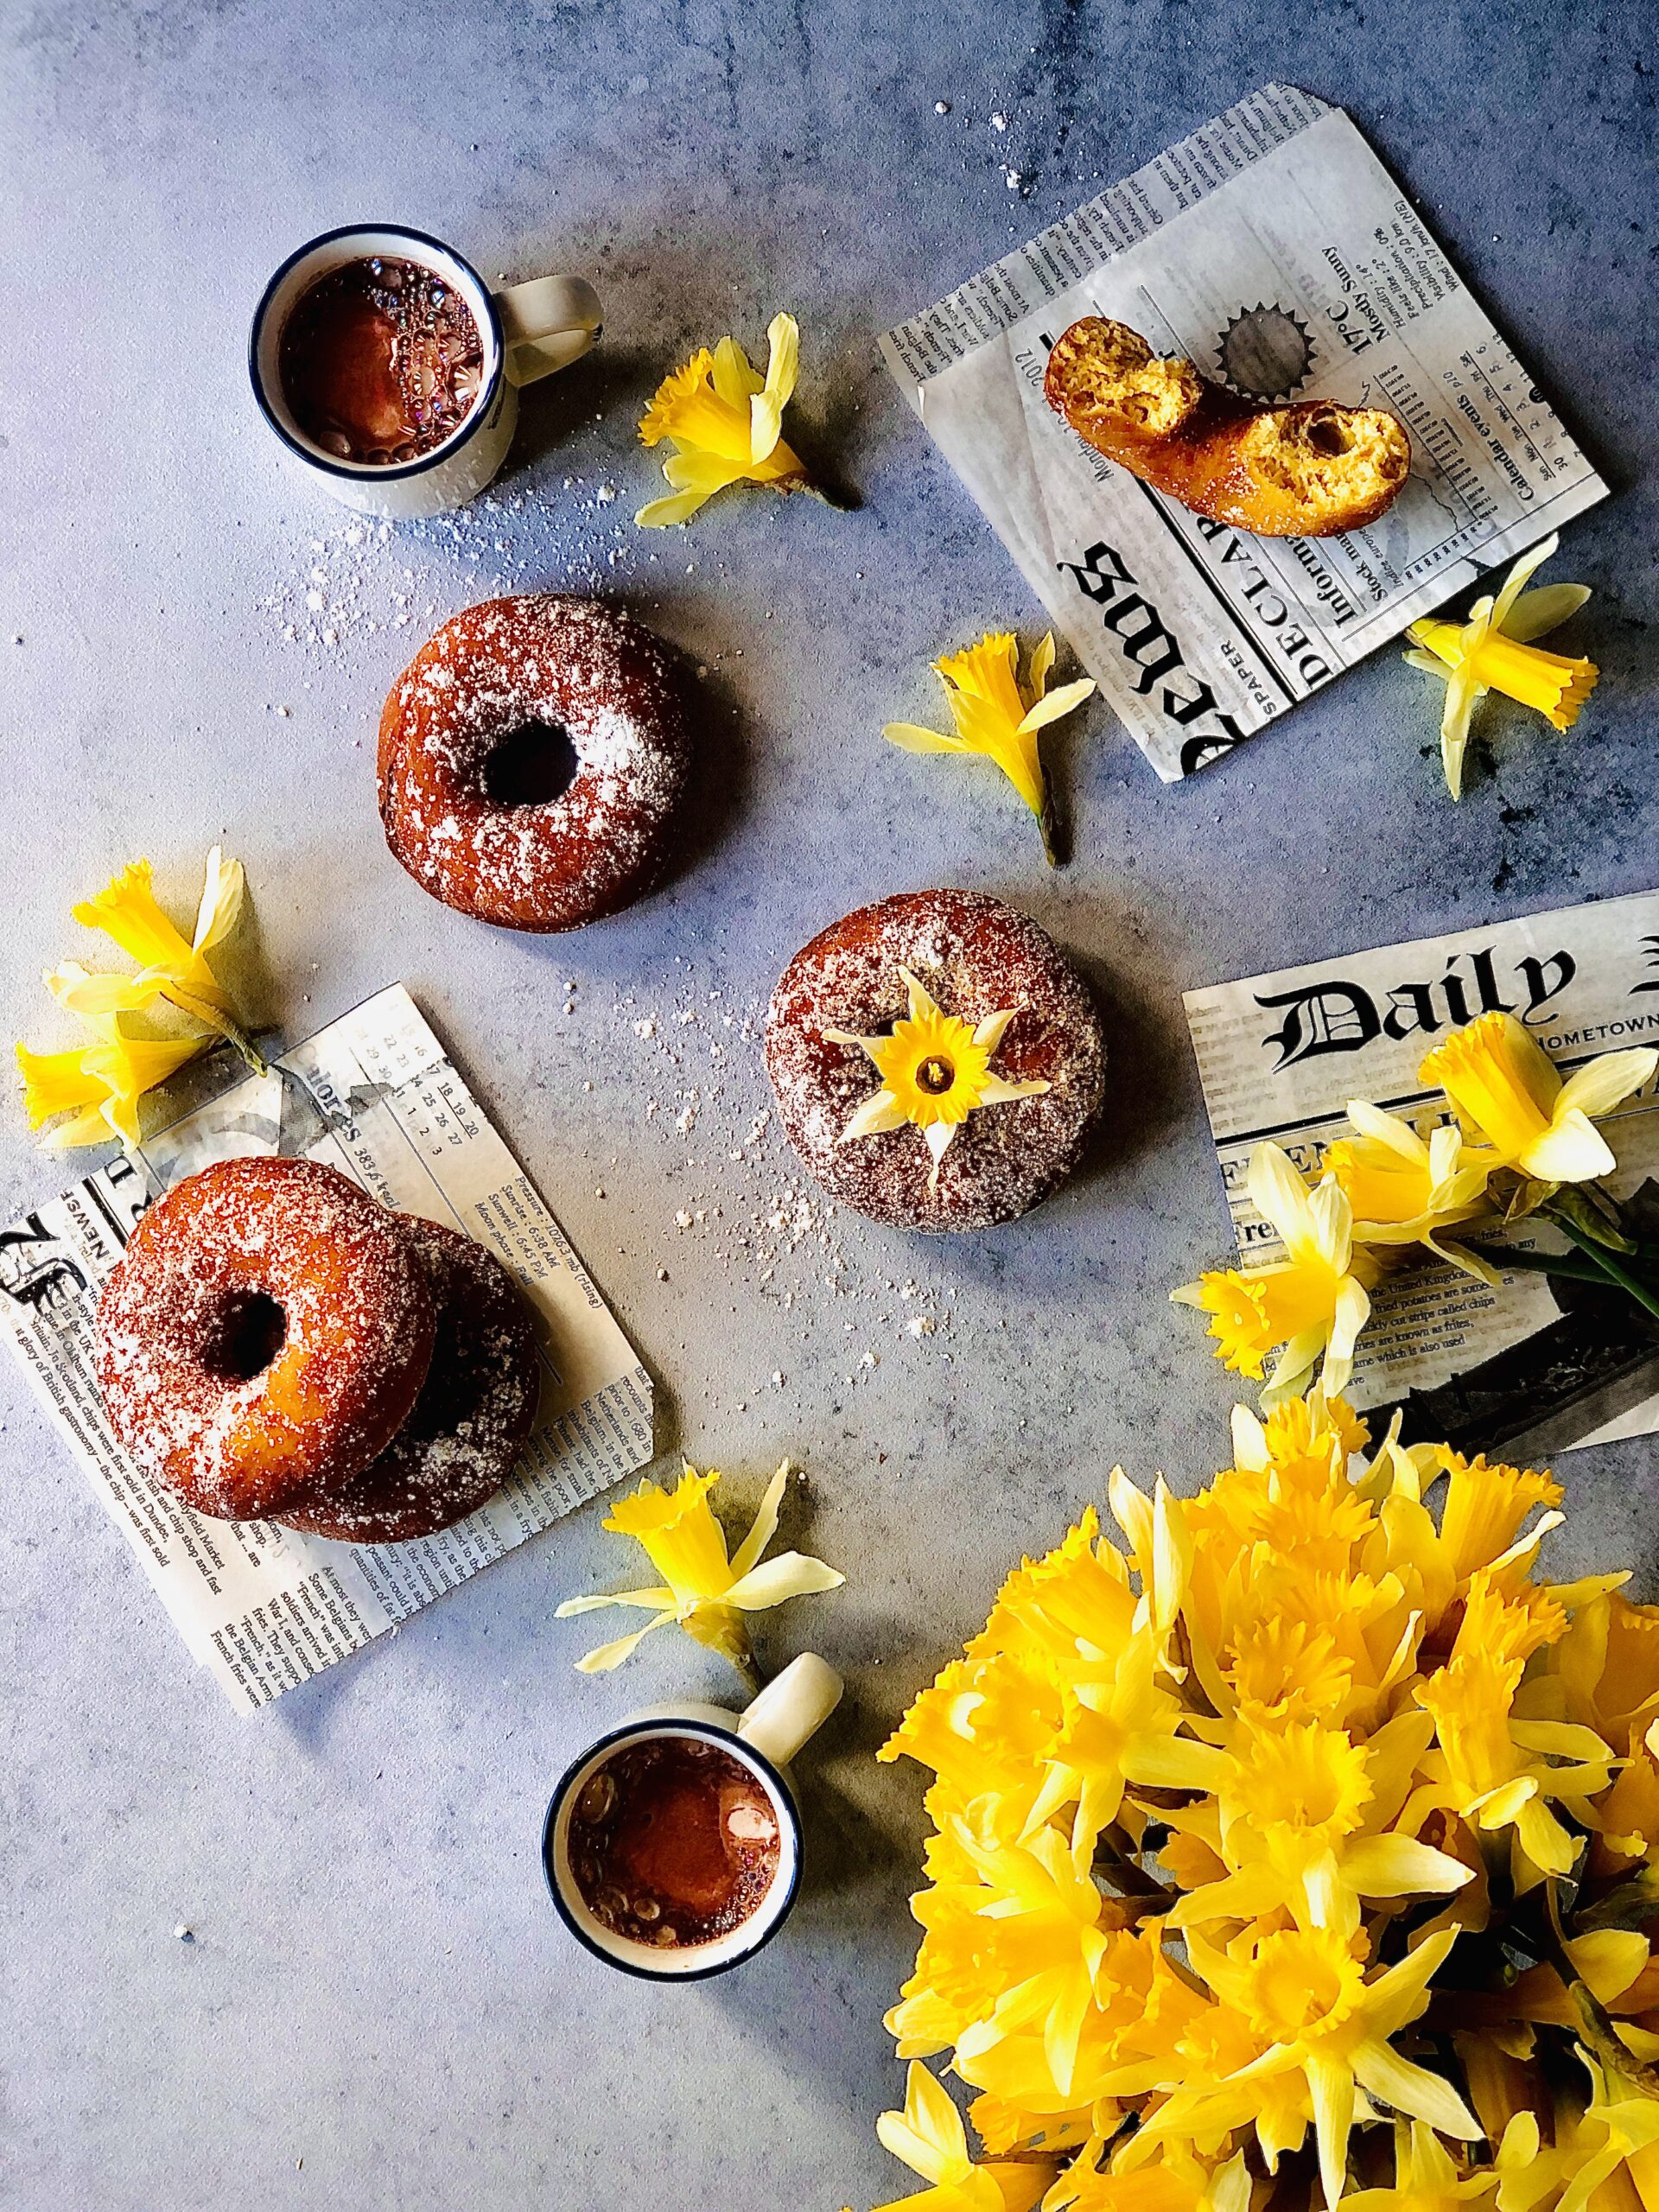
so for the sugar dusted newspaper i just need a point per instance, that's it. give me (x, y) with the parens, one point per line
(375, 1095)
(1544, 1363)
(1274, 248)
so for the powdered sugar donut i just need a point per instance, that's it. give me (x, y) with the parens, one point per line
(264, 1335)
(937, 1061)
(472, 1419)
(531, 757)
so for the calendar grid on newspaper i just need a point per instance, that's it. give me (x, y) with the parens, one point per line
(1274, 248)
(375, 1095)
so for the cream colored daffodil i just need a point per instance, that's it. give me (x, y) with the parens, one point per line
(928, 2135)
(1314, 1301)
(99, 1085)
(1401, 1191)
(708, 1594)
(1492, 650)
(935, 1071)
(996, 715)
(1507, 1089)
(725, 423)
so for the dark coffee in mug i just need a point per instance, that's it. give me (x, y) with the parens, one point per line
(673, 1842)
(380, 360)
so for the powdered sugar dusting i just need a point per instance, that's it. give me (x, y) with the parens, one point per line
(976, 957)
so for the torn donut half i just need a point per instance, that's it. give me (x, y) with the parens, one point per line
(1311, 469)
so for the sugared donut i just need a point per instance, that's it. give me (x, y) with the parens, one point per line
(472, 1419)
(264, 1335)
(531, 757)
(1023, 1091)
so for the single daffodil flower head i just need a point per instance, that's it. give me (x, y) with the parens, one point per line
(1404, 1191)
(1493, 650)
(935, 1071)
(725, 423)
(929, 2136)
(708, 1592)
(998, 716)
(97, 1086)
(1314, 1302)
(1508, 1091)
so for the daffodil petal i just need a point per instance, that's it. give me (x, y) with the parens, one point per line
(1414, 2090)
(1571, 1150)
(648, 1600)
(791, 1574)
(1063, 701)
(1520, 575)
(914, 738)
(1604, 1082)
(1461, 694)
(662, 514)
(733, 375)
(606, 1656)
(1537, 613)
(1400, 1866)
(223, 887)
(765, 1525)
(875, 1118)
(97, 998)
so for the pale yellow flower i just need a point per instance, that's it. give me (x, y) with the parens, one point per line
(1426, 2178)
(708, 1594)
(935, 1071)
(725, 423)
(1492, 652)
(1506, 1088)
(996, 715)
(1403, 1191)
(928, 2135)
(1314, 1301)
(99, 1085)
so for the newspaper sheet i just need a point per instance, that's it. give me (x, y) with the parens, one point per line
(1274, 248)
(375, 1095)
(1545, 1363)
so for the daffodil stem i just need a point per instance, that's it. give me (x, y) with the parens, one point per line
(1611, 1268)
(1538, 1263)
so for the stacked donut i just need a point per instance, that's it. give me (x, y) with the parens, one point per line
(276, 1345)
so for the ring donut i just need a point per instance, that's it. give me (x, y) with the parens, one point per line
(472, 1420)
(531, 757)
(264, 1335)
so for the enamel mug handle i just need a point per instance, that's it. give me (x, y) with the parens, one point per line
(792, 1709)
(548, 323)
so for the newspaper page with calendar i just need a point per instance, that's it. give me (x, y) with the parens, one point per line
(376, 1096)
(1545, 1363)
(1274, 248)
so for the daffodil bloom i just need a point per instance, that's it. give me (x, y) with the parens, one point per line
(1614, 2139)
(1401, 1191)
(1325, 2033)
(708, 1594)
(1427, 2179)
(935, 1071)
(1177, 2182)
(1506, 1088)
(1492, 650)
(725, 423)
(1316, 1301)
(98, 1086)
(928, 2135)
(996, 715)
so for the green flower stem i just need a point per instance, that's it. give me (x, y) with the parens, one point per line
(1538, 1263)
(1611, 1266)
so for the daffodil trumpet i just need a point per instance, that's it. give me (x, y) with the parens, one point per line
(1300, 1840)
(91, 1092)
(1492, 650)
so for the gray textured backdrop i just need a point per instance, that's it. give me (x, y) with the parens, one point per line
(378, 1988)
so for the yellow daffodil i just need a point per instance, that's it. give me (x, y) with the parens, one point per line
(706, 1593)
(935, 1071)
(1314, 1301)
(99, 1085)
(1324, 2032)
(928, 2135)
(1605, 2156)
(725, 423)
(1507, 1089)
(996, 715)
(1492, 650)
(1401, 1191)
(1177, 2182)
(1427, 2179)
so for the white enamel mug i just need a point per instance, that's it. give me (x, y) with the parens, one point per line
(527, 332)
(764, 1737)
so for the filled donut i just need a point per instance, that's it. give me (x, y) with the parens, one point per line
(472, 1420)
(265, 1336)
(937, 1061)
(531, 758)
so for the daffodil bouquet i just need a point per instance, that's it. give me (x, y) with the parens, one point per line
(1297, 1847)
(1506, 1139)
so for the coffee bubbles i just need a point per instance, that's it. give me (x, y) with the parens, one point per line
(381, 360)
